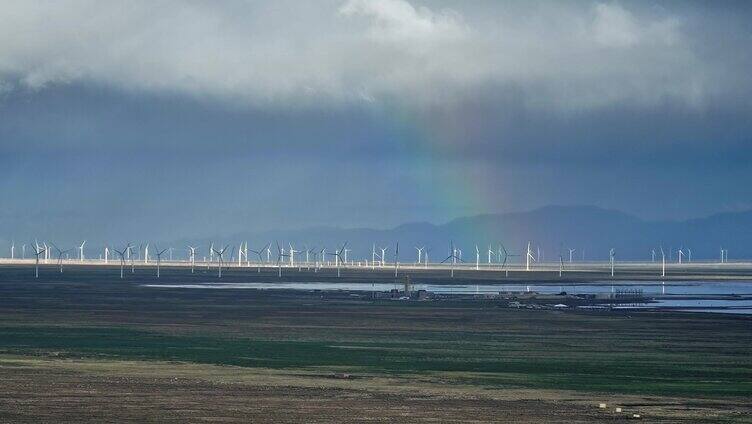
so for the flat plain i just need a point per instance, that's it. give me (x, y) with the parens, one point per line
(85, 345)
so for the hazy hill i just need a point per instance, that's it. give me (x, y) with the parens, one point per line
(554, 229)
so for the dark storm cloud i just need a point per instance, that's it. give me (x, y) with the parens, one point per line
(205, 118)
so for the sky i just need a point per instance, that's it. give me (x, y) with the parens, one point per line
(177, 119)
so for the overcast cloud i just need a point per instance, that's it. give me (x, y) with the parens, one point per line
(567, 55)
(178, 118)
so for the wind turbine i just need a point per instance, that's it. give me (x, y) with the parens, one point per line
(146, 254)
(503, 252)
(490, 253)
(681, 254)
(453, 257)
(689, 255)
(130, 258)
(420, 253)
(383, 255)
(121, 253)
(220, 254)
(652, 255)
(192, 256)
(12, 249)
(571, 252)
(396, 260)
(60, 254)
(242, 252)
(261, 258)
(322, 255)
(529, 256)
(477, 257)
(663, 263)
(292, 253)
(159, 256)
(37, 251)
(612, 256)
(338, 257)
(23, 251)
(311, 252)
(280, 254)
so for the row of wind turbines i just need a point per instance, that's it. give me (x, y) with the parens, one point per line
(498, 256)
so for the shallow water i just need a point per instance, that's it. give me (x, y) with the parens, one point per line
(655, 288)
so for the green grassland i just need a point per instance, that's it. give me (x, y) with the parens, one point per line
(649, 353)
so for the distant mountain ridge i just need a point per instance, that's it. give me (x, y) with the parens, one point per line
(554, 229)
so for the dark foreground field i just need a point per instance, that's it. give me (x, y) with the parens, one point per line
(87, 346)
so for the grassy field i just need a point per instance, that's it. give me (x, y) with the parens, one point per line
(86, 327)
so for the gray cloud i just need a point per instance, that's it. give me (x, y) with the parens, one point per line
(568, 56)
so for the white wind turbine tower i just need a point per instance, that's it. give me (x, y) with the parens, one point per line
(663, 263)
(528, 257)
(242, 252)
(477, 258)
(539, 256)
(420, 253)
(652, 255)
(396, 260)
(60, 254)
(425, 258)
(346, 250)
(373, 256)
(612, 256)
(383, 255)
(37, 251)
(121, 253)
(106, 254)
(146, 254)
(159, 257)
(571, 252)
(292, 253)
(689, 255)
(490, 253)
(681, 254)
(192, 256)
(220, 254)
(170, 252)
(47, 252)
(211, 252)
(280, 254)
(23, 251)
(452, 256)
(12, 249)
(129, 249)
(81, 251)
(338, 257)
(321, 257)
(315, 255)
(259, 253)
